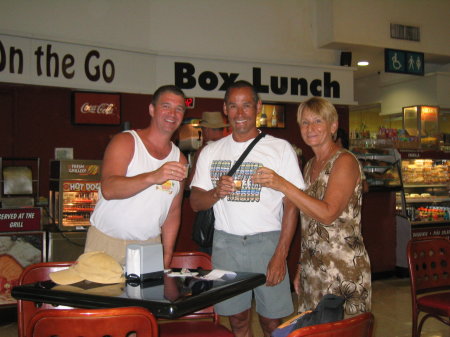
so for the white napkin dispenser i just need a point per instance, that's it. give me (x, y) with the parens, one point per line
(144, 261)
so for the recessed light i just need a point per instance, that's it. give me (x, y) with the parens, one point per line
(363, 63)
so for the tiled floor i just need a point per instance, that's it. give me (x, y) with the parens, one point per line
(391, 306)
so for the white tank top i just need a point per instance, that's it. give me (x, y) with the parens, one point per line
(141, 216)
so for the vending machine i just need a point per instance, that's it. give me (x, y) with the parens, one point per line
(74, 186)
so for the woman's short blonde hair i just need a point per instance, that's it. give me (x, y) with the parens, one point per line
(320, 106)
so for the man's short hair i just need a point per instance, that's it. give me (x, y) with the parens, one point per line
(166, 88)
(242, 84)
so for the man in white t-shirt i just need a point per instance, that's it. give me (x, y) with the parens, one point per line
(254, 226)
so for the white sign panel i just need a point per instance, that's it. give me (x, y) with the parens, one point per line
(209, 78)
(42, 62)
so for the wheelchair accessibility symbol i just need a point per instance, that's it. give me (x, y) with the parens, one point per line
(404, 62)
(396, 64)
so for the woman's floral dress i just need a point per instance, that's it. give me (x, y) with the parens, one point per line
(333, 257)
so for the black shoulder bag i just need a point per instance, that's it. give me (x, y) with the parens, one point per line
(203, 228)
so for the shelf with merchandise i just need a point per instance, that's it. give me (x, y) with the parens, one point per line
(380, 161)
(426, 190)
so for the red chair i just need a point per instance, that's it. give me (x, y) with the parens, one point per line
(357, 326)
(203, 322)
(35, 273)
(429, 270)
(93, 323)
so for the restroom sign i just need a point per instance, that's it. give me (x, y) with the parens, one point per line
(404, 62)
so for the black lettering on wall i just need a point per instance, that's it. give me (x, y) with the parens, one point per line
(184, 75)
(228, 79)
(49, 57)
(208, 80)
(280, 89)
(257, 82)
(13, 52)
(108, 71)
(2, 57)
(67, 62)
(299, 85)
(39, 53)
(95, 76)
(315, 87)
(328, 85)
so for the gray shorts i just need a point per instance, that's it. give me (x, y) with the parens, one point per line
(251, 253)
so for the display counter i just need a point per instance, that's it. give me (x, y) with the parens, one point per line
(423, 205)
(381, 166)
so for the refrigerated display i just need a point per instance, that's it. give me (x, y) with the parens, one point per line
(423, 205)
(74, 186)
(422, 122)
(380, 162)
(426, 190)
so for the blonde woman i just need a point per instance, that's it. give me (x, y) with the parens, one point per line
(333, 256)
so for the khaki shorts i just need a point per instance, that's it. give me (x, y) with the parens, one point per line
(251, 253)
(99, 241)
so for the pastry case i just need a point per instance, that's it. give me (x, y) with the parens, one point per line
(380, 162)
(74, 186)
(426, 190)
(423, 205)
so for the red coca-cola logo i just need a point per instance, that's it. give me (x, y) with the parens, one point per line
(96, 108)
(101, 109)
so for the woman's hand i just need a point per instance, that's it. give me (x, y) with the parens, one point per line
(268, 178)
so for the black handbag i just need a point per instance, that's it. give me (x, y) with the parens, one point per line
(329, 309)
(203, 228)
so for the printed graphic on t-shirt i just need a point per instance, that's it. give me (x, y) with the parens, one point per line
(246, 190)
(167, 186)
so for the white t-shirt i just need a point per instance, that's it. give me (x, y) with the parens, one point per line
(141, 216)
(253, 209)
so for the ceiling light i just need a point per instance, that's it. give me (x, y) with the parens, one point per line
(363, 63)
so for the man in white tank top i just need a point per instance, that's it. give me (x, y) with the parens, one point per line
(143, 175)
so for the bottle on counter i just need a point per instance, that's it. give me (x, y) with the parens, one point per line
(274, 121)
(263, 118)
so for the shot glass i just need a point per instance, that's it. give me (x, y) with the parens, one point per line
(238, 185)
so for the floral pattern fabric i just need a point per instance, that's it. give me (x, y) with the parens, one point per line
(333, 257)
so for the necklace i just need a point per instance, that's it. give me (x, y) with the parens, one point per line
(318, 164)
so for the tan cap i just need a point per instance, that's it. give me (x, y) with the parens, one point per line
(96, 267)
(213, 120)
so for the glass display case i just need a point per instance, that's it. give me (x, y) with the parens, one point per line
(380, 162)
(422, 121)
(74, 186)
(426, 190)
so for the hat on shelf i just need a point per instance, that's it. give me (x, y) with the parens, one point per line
(96, 267)
(213, 120)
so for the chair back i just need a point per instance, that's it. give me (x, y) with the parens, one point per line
(194, 260)
(429, 264)
(357, 326)
(191, 260)
(93, 323)
(31, 274)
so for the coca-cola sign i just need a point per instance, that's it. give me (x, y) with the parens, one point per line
(96, 108)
